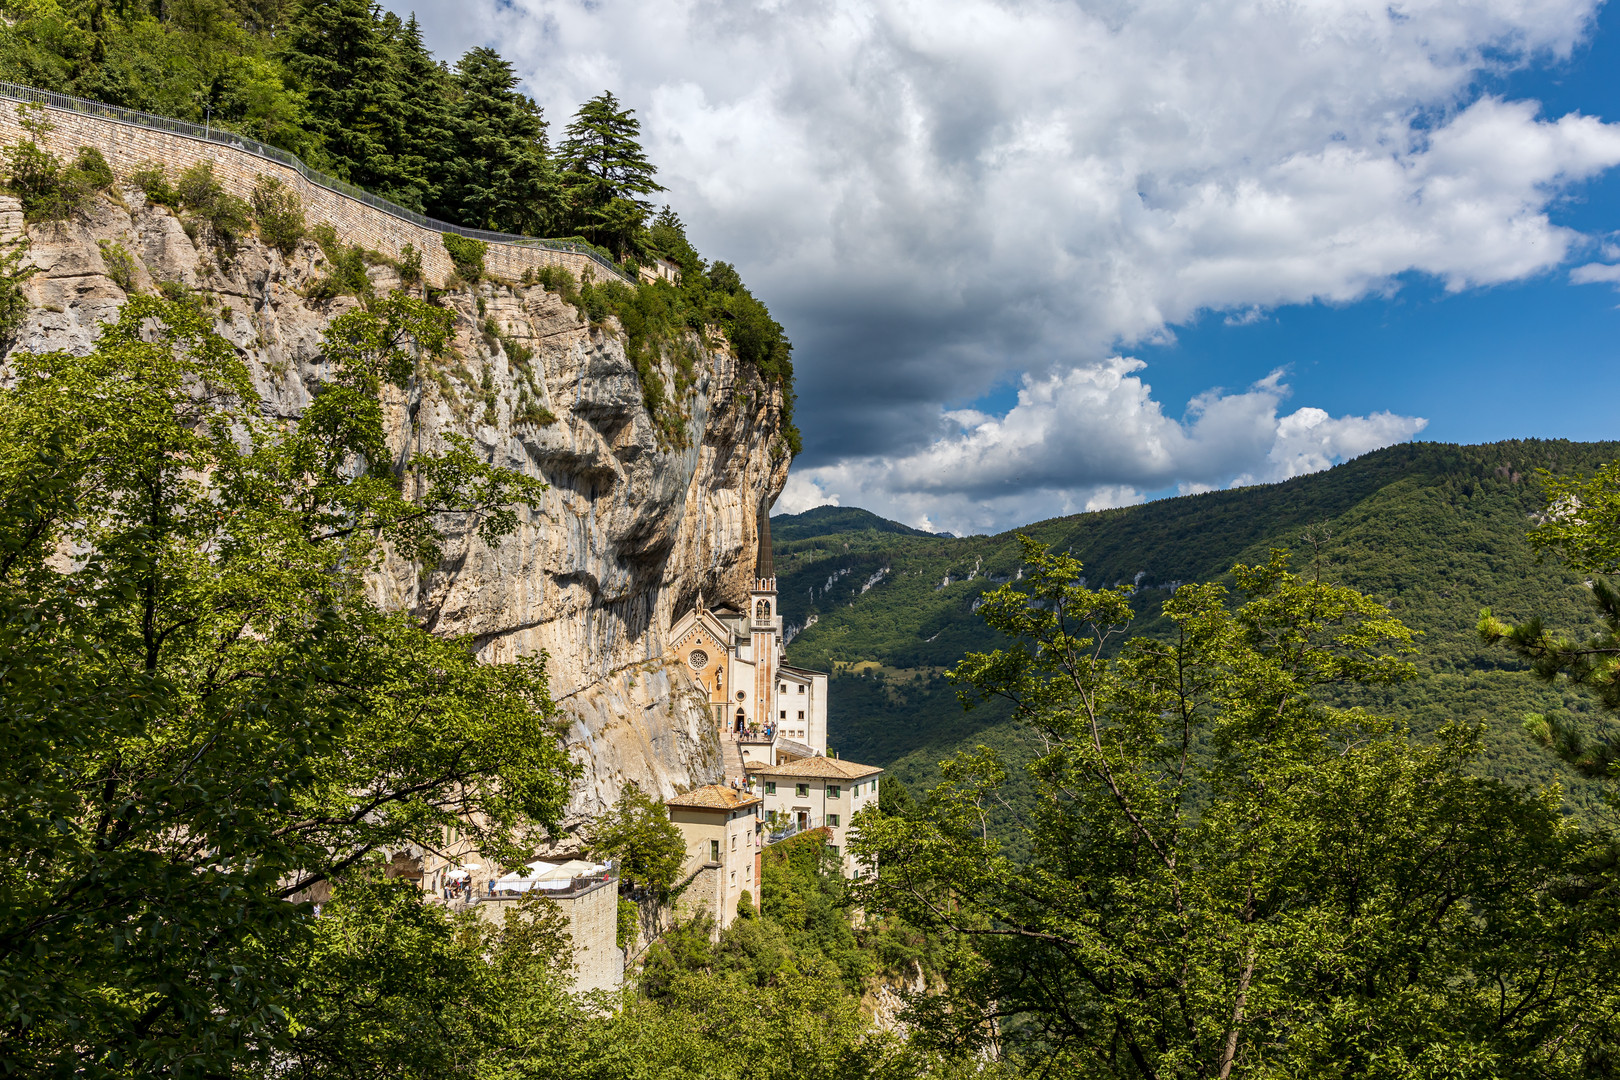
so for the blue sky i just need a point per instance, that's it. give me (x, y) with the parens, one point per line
(1538, 358)
(1042, 256)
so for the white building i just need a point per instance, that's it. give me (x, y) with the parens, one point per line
(766, 709)
(817, 793)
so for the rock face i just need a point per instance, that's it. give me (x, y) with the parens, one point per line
(631, 528)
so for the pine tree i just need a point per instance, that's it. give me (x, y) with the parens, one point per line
(426, 151)
(505, 179)
(605, 169)
(337, 51)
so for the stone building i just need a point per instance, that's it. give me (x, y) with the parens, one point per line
(587, 896)
(721, 827)
(816, 793)
(766, 709)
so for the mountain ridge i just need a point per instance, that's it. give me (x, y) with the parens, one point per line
(1434, 530)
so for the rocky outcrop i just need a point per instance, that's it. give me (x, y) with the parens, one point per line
(631, 528)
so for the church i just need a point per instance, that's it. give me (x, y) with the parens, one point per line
(767, 710)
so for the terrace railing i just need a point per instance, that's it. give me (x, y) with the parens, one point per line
(786, 827)
(209, 133)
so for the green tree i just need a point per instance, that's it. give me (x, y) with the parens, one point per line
(638, 834)
(1228, 877)
(204, 714)
(427, 98)
(391, 987)
(605, 172)
(342, 60)
(504, 178)
(1581, 527)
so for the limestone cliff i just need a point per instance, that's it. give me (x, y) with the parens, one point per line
(629, 531)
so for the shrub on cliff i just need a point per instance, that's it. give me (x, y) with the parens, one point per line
(280, 214)
(153, 181)
(224, 216)
(49, 190)
(467, 255)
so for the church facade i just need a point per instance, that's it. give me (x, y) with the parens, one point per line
(767, 708)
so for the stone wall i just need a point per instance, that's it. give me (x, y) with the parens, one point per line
(593, 927)
(129, 146)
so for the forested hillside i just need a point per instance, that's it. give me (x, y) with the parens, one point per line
(1435, 531)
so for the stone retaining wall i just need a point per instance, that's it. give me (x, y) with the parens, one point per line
(128, 147)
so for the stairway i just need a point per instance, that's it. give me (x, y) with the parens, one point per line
(732, 754)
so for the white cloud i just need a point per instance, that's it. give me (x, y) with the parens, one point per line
(1093, 438)
(940, 196)
(1596, 274)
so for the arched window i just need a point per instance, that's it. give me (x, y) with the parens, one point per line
(762, 610)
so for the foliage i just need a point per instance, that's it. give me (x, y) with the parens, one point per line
(1434, 531)
(204, 713)
(392, 987)
(280, 214)
(93, 169)
(629, 916)
(48, 190)
(1581, 528)
(894, 798)
(779, 991)
(410, 265)
(467, 255)
(605, 170)
(507, 180)
(13, 301)
(154, 183)
(1228, 875)
(345, 267)
(638, 835)
(226, 217)
(119, 262)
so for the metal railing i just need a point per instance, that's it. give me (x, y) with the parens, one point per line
(221, 137)
(786, 827)
(575, 887)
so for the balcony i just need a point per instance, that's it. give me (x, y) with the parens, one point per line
(785, 826)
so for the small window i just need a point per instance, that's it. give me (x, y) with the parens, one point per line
(801, 689)
(784, 714)
(855, 792)
(734, 877)
(714, 851)
(770, 787)
(748, 871)
(832, 819)
(834, 849)
(782, 688)
(802, 791)
(833, 791)
(801, 714)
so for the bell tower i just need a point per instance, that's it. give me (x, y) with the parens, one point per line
(764, 625)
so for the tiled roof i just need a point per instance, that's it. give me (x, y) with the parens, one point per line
(714, 797)
(822, 768)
